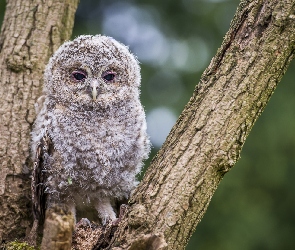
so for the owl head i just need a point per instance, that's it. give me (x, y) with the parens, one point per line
(92, 71)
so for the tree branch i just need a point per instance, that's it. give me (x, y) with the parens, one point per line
(208, 137)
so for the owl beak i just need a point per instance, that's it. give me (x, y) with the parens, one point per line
(94, 85)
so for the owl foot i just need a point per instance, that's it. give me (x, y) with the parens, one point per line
(105, 210)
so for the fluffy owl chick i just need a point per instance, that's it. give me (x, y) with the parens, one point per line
(89, 138)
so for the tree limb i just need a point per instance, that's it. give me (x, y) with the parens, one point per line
(208, 137)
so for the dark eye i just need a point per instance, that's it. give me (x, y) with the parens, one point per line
(109, 76)
(78, 75)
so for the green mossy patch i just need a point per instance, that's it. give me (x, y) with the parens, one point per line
(14, 245)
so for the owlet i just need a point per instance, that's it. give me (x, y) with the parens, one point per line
(89, 138)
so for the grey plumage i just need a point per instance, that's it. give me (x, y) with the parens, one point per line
(91, 115)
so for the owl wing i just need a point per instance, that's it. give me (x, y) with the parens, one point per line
(44, 149)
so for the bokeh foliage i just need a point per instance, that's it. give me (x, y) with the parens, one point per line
(253, 207)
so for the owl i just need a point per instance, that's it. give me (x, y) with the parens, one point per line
(89, 138)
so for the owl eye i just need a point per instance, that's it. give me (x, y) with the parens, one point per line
(79, 75)
(109, 76)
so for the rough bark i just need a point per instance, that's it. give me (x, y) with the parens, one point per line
(31, 32)
(58, 230)
(208, 137)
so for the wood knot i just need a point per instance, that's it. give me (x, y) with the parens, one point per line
(137, 216)
(18, 61)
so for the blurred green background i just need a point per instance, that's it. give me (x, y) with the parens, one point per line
(253, 208)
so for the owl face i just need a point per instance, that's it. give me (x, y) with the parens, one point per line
(92, 71)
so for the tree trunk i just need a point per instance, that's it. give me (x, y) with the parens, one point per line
(31, 32)
(208, 137)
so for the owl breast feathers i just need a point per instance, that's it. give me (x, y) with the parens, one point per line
(89, 138)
